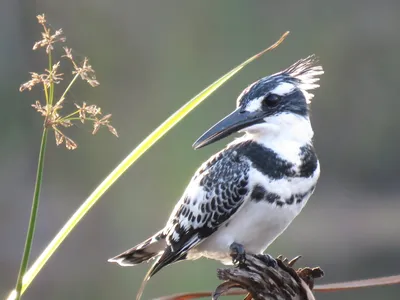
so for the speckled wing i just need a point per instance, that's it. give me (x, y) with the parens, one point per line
(215, 193)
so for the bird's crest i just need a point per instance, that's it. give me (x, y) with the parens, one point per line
(306, 71)
(304, 74)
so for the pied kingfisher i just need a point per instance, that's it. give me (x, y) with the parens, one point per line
(246, 195)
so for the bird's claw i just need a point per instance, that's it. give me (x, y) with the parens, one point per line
(237, 253)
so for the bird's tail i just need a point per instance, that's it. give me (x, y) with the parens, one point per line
(143, 252)
(168, 256)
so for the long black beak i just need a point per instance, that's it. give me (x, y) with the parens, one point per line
(235, 121)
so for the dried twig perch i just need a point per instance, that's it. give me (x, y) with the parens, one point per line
(268, 283)
(262, 282)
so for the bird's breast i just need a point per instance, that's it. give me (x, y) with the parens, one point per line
(255, 227)
(269, 208)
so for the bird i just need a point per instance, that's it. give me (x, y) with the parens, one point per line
(244, 196)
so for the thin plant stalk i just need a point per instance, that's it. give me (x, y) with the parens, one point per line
(36, 195)
(51, 85)
(32, 220)
(68, 87)
(126, 163)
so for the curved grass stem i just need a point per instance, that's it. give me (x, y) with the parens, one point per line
(32, 220)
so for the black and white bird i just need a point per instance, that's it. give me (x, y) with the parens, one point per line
(246, 195)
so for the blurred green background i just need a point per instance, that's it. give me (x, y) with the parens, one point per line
(150, 58)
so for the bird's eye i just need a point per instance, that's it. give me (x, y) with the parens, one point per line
(271, 100)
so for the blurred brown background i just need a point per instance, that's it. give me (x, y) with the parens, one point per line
(150, 58)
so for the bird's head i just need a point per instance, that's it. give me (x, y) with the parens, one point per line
(270, 102)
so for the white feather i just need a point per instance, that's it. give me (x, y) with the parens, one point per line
(307, 72)
(283, 88)
(254, 104)
(121, 261)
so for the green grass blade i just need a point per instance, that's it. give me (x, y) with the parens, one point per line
(34, 211)
(125, 164)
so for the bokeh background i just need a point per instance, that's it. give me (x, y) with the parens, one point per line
(151, 57)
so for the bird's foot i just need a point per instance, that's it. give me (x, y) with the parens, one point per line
(268, 260)
(237, 253)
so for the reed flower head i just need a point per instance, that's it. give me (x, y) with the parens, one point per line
(53, 113)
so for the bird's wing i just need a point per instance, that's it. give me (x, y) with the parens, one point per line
(215, 193)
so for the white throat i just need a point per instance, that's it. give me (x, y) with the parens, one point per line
(284, 134)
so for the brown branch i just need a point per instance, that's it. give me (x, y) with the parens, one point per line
(357, 284)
